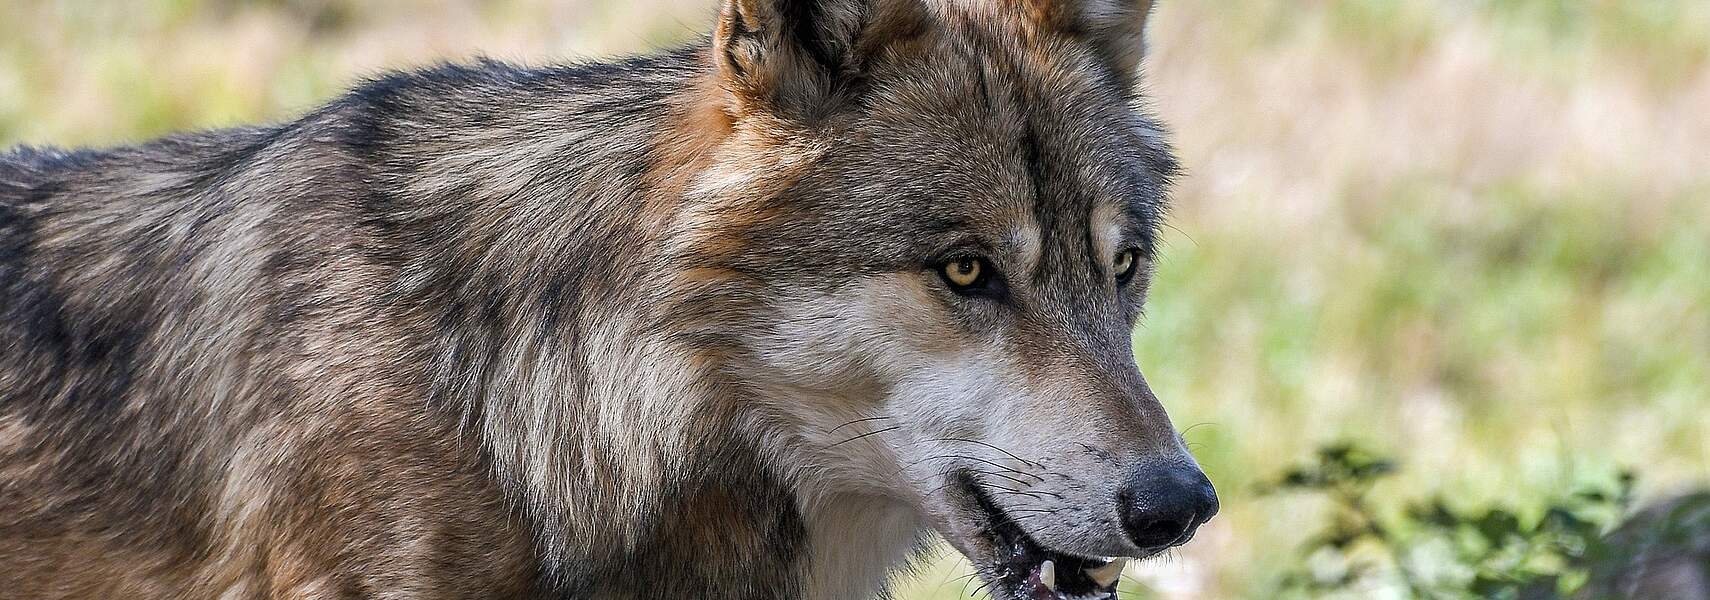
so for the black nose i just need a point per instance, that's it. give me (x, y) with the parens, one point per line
(1162, 506)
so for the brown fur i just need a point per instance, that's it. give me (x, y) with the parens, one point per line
(617, 330)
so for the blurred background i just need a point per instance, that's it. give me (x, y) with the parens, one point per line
(1471, 237)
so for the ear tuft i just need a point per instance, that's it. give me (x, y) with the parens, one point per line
(1117, 28)
(1126, 40)
(741, 36)
(801, 56)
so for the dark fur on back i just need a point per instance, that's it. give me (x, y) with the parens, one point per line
(186, 322)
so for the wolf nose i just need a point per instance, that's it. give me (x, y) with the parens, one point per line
(1163, 506)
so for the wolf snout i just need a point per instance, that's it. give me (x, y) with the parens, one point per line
(1161, 506)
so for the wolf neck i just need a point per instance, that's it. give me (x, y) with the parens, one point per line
(647, 468)
(856, 544)
(656, 468)
(626, 448)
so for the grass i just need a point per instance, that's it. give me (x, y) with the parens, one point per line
(1472, 234)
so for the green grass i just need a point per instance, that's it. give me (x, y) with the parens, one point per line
(1472, 234)
(1497, 353)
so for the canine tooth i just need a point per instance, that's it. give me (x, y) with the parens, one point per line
(1048, 575)
(1106, 574)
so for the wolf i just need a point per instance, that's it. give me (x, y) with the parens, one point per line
(763, 316)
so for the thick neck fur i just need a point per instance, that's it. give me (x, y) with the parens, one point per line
(591, 380)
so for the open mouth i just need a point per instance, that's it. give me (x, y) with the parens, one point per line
(1027, 570)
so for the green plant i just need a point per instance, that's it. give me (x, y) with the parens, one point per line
(1434, 549)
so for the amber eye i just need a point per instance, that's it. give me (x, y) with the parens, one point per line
(971, 276)
(964, 272)
(1124, 266)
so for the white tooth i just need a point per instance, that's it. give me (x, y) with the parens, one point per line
(1048, 575)
(1106, 574)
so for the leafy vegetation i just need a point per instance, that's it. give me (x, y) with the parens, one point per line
(1436, 550)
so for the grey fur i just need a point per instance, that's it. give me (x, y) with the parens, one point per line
(488, 331)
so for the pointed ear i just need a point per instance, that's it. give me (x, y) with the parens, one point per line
(1117, 28)
(805, 56)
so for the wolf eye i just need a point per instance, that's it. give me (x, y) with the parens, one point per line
(966, 275)
(1126, 261)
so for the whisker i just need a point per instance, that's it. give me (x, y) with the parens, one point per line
(1048, 511)
(982, 586)
(1196, 425)
(834, 429)
(947, 470)
(1006, 452)
(1033, 495)
(1099, 453)
(868, 434)
(1049, 493)
(1017, 481)
(981, 460)
(965, 579)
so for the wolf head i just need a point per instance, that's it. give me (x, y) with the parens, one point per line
(923, 233)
